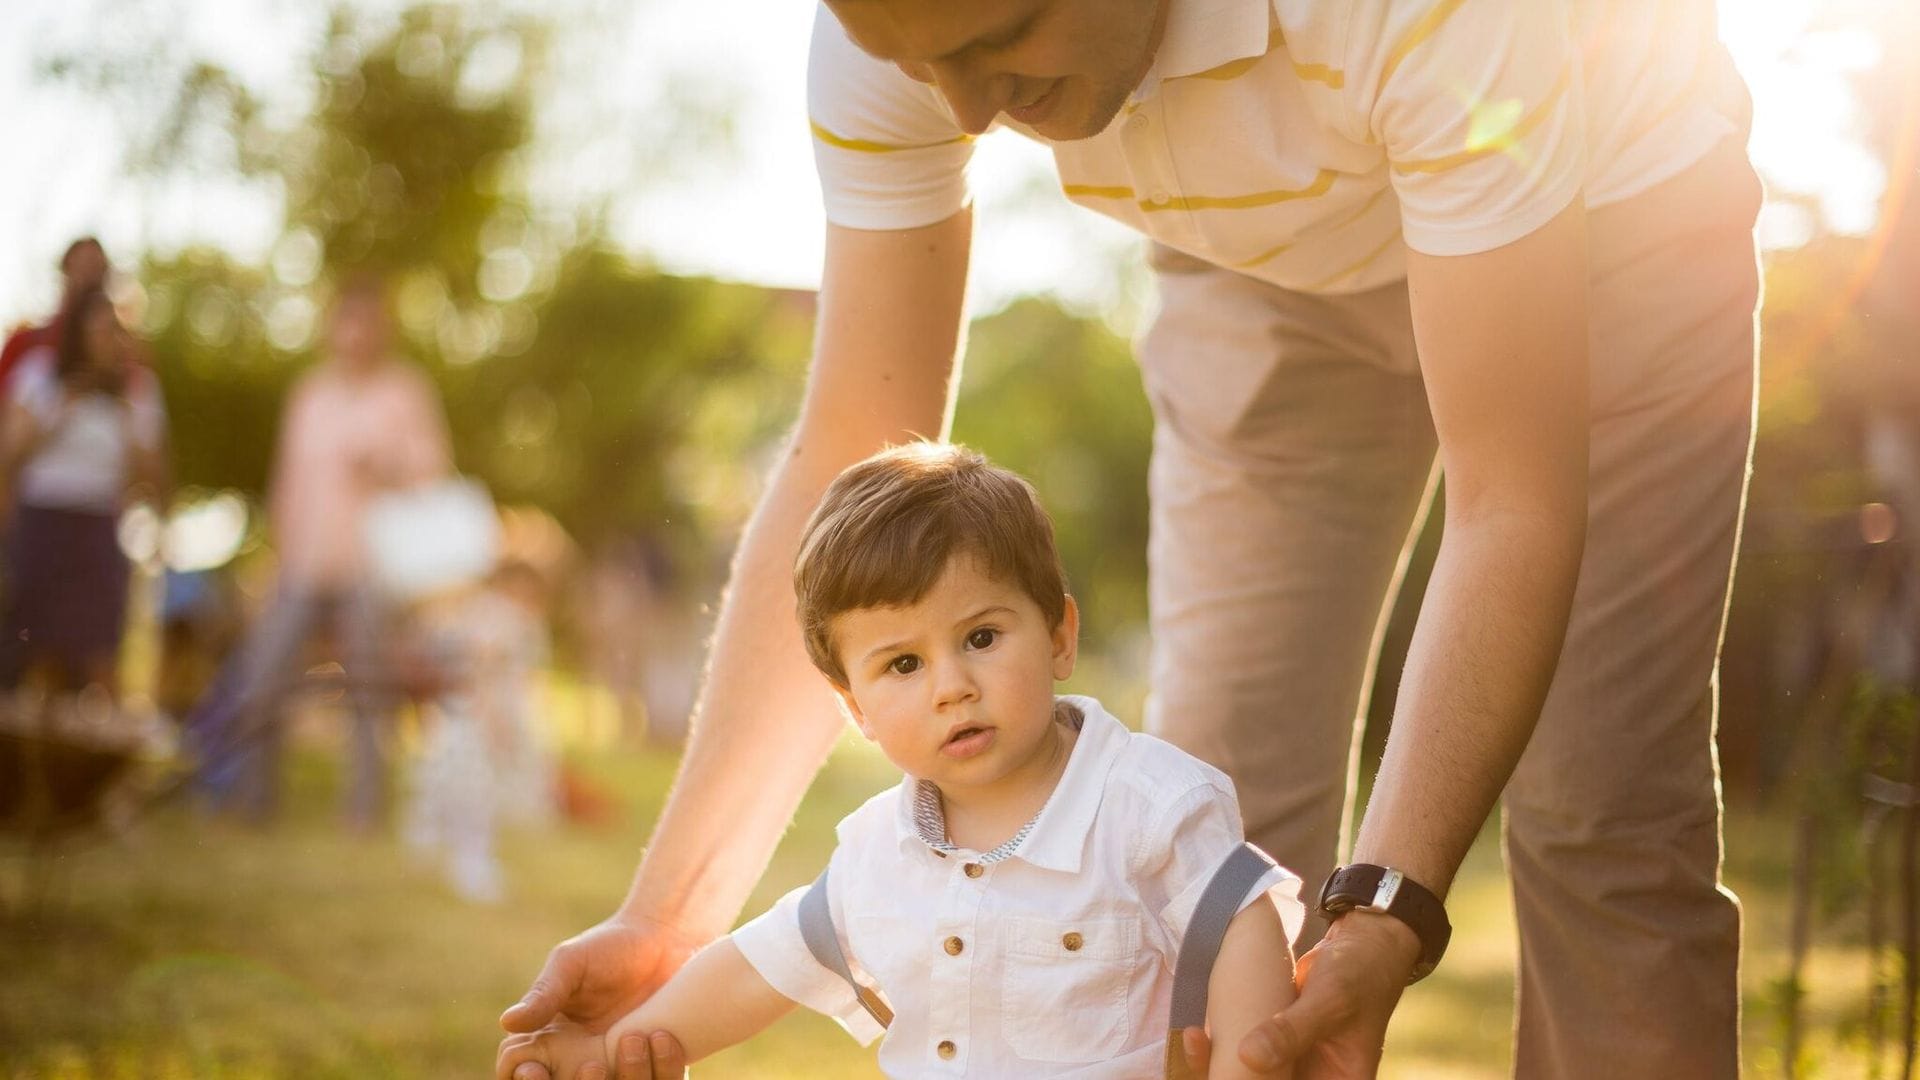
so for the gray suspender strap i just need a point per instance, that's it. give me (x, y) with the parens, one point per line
(1219, 903)
(816, 929)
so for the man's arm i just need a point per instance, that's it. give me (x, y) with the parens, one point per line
(1503, 347)
(886, 353)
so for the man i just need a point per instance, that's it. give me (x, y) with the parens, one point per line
(1511, 241)
(361, 424)
(83, 267)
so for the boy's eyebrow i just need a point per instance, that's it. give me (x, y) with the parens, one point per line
(894, 646)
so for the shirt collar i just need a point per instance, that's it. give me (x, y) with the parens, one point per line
(1059, 833)
(1205, 34)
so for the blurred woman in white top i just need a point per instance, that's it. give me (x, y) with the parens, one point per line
(85, 432)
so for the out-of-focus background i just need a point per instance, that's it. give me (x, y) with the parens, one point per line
(599, 230)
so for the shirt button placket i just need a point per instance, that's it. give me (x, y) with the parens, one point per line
(952, 967)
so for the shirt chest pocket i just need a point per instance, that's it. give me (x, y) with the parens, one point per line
(1067, 987)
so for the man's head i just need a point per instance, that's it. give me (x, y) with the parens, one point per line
(359, 327)
(83, 267)
(887, 528)
(1061, 67)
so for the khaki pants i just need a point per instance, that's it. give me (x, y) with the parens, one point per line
(1293, 460)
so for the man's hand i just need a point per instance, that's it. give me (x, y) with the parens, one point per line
(598, 976)
(1349, 985)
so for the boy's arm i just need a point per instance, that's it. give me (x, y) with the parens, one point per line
(1252, 980)
(717, 1000)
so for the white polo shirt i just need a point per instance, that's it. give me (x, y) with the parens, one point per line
(1054, 958)
(1308, 143)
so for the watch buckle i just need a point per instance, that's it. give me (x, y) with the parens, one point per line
(1385, 893)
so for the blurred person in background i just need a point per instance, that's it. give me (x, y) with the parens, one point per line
(482, 763)
(85, 433)
(361, 424)
(83, 268)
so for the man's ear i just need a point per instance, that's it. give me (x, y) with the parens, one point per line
(1066, 641)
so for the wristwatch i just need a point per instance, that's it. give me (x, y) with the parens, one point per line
(1385, 891)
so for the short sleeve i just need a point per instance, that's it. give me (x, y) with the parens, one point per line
(1479, 108)
(773, 944)
(889, 154)
(1191, 840)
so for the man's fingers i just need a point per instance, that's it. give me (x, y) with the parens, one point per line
(632, 1060)
(1286, 1038)
(669, 1059)
(538, 1006)
(1198, 1048)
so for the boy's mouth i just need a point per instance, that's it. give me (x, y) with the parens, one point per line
(967, 741)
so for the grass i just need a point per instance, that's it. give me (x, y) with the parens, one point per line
(193, 948)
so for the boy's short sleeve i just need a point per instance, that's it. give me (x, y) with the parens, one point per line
(773, 944)
(1188, 843)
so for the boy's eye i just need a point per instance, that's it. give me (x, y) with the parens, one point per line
(904, 665)
(982, 638)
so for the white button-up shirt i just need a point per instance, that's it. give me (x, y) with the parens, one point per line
(1309, 143)
(1055, 961)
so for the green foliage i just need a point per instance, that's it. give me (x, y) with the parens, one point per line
(1057, 398)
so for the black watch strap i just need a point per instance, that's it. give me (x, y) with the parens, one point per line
(1365, 887)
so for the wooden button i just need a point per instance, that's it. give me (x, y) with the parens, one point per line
(1073, 941)
(974, 869)
(946, 1049)
(955, 946)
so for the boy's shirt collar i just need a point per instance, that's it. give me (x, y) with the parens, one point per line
(1057, 837)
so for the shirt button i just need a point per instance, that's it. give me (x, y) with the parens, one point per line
(1137, 123)
(974, 869)
(955, 946)
(1073, 941)
(1159, 197)
(946, 1049)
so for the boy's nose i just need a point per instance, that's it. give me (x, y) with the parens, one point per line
(955, 686)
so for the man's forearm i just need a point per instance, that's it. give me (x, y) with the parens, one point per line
(743, 776)
(885, 357)
(1477, 673)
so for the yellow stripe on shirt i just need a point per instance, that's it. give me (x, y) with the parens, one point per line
(866, 146)
(1357, 266)
(1249, 201)
(1360, 212)
(1416, 35)
(1498, 142)
(1233, 69)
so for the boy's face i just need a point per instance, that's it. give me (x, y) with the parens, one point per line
(958, 688)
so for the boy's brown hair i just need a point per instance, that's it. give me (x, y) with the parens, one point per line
(886, 529)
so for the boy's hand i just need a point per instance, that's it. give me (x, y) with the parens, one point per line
(566, 1052)
(562, 1050)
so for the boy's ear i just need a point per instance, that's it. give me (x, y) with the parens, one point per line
(1066, 641)
(853, 707)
